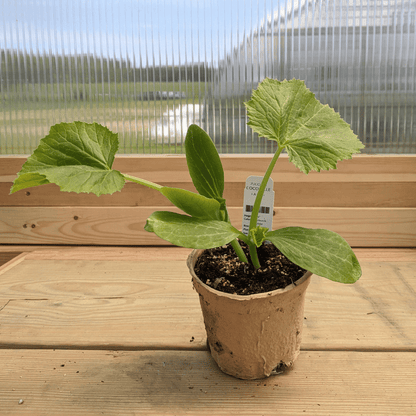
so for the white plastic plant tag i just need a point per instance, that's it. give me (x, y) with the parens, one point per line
(265, 218)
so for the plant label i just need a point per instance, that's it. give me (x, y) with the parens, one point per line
(265, 218)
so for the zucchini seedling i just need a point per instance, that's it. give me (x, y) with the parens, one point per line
(78, 157)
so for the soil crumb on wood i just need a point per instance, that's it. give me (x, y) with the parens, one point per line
(221, 269)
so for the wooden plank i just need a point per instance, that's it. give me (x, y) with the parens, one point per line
(385, 254)
(178, 383)
(364, 181)
(142, 253)
(124, 323)
(79, 279)
(288, 194)
(180, 254)
(382, 166)
(366, 227)
(170, 252)
(150, 304)
(164, 253)
(49, 195)
(361, 227)
(104, 304)
(175, 168)
(377, 312)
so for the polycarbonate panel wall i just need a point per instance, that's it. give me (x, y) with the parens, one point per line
(149, 68)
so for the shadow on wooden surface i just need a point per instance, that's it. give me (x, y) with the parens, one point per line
(119, 331)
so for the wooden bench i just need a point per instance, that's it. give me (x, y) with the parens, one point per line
(99, 317)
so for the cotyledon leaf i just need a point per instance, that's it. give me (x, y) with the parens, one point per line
(204, 163)
(190, 232)
(322, 252)
(193, 204)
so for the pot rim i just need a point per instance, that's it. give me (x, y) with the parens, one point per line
(197, 252)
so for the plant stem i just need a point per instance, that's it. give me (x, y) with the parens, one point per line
(143, 182)
(257, 203)
(239, 251)
(235, 244)
(254, 257)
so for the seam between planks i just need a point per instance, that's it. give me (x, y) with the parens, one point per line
(115, 347)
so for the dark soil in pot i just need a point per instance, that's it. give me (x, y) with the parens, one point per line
(221, 269)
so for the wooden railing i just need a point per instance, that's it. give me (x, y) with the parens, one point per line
(369, 200)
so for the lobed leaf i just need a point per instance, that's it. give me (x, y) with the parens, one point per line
(314, 135)
(190, 232)
(77, 157)
(322, 252)
(28, 180)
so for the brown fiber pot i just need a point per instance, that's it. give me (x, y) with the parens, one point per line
(250, 336)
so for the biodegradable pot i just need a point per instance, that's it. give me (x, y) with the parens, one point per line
(250, 336)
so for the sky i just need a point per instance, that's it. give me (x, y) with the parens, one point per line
(145, 31)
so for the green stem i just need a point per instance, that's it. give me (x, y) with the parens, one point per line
(257, 204)
(143, 182)
(253, 255)
(239, 251)
(235, 244)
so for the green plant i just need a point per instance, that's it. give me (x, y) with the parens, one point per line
(78, 157)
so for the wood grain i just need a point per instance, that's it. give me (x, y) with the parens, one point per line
(369, 200)
(288, 194)
(361, 227)
(238, 164)
(170, 252)
(69, 382)
(375, 313)
(142, 254)
(364, 181)
(101, 304)
(124, 323)
(135, 304)
(119, 331)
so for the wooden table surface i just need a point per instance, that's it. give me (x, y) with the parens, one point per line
(119, 331)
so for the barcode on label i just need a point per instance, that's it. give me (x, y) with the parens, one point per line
(263, 210)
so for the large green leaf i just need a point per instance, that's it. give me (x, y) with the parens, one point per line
(28, 180)
(322, 252)
(204, 163)
(193, 204)
(314, 135)
(190, 232)
(77, 157)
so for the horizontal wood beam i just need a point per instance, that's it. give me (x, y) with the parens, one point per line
(370, 200)
(143, 253)
(288, 194)
(161, 167)
(361, 227)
